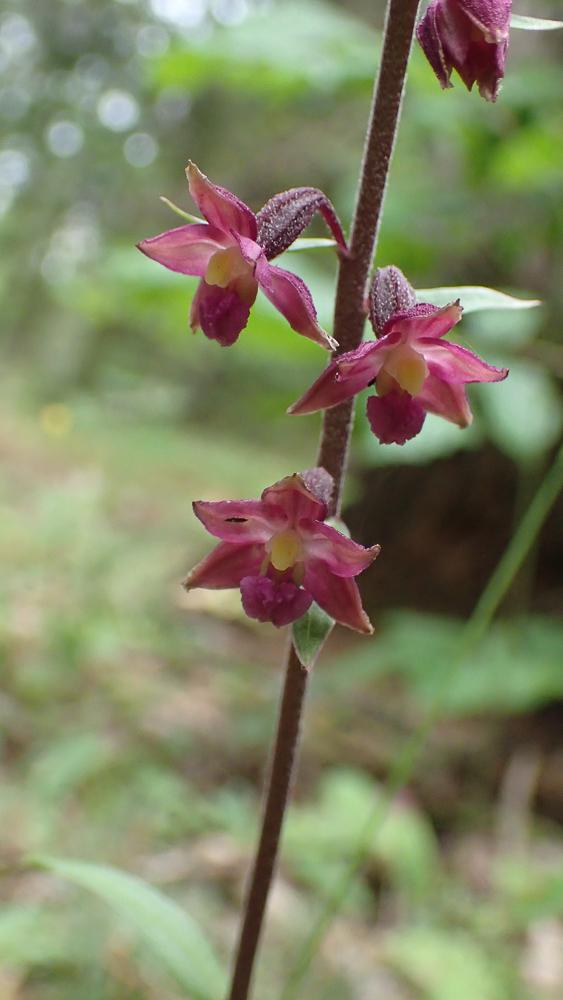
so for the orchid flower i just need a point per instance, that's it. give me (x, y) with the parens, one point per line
(414, 370)
(282, 555)
(231, 253)
(470, 36)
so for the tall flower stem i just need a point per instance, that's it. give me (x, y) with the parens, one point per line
(349, 317)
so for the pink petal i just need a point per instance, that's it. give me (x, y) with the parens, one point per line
(456, 364)
(345, 376)
(240, 521)
(292, 497)
(220, 312)
(340, 554)
(220, 207)
(474, 38)
(186, 249)
(493, 18)
(250, 250)
(225, 566)
(424, 320)
(277, 601)
(396, 417)
(293, 299)
(431, 43)
(337, 595)
(446, 399)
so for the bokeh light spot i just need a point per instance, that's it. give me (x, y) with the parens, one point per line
(64, 138)
(140, 149)
(118, 110)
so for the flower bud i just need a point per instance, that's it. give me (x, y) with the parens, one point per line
(470, 36)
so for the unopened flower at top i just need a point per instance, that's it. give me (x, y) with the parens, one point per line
(282, 555)
(231, 253)
(413, 369)
(470, 36)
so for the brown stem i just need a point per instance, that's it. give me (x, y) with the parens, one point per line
(279, 786)
(349, 313)
(349, 319)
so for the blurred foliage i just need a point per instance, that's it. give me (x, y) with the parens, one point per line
(134, 720)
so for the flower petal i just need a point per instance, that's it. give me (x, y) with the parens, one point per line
(220, 312)
(220, 207)
(290, 295)
(225, 566)
(277, 601)
(396, 417)
(337, 595)
(340, 554)
(240, 521)
(446, 399)
(430, 41)
(470, 36)
(344, 377)
(424, 320)
(292, 496)
(457, 364)
(187, 249)
(492, 18)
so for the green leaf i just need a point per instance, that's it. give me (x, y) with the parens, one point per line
(269, 54)
(172, 935)
(474, 298)
(533, 23)
(321, 835)
(309, 634)
(524, 413)
(445, 964)
(310, 243)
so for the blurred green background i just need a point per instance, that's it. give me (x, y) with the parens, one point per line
(135, 721)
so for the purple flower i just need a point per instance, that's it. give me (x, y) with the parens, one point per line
(470, 36)
(414, 370)
(231, 251)
(282, 555)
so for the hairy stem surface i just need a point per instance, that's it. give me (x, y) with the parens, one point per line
(349, 317)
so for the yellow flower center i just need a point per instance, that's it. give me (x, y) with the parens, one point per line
(226, 266)
(404, 367)
(228, 269)
(286, 549)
